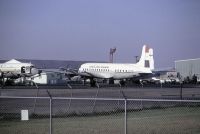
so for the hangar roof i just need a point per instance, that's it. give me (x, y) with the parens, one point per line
(187, 60)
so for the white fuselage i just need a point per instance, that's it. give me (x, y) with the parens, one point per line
(14, 70)
(120, 71)
(112, 70)
(14, 67)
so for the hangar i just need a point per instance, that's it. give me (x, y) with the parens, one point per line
(189, 68)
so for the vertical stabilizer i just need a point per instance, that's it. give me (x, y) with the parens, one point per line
(146, 59)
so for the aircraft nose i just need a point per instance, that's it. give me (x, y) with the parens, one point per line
(80, 70)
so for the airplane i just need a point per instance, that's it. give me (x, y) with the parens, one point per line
(14, 69)
(117, 71)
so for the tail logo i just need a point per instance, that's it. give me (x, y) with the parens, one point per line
(146, 49)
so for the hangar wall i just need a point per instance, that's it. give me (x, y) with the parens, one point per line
(188, 67)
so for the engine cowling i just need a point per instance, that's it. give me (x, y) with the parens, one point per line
(1, 75)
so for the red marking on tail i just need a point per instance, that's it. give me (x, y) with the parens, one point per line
(147, 49)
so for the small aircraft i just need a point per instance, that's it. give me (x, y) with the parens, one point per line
(117, 71)
(14, 69)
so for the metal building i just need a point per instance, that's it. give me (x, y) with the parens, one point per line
(188, 68)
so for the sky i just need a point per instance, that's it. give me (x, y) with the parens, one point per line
(87, 29)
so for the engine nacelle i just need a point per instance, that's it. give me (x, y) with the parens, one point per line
(1, 75)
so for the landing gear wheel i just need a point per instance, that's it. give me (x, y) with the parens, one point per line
(111, 81)
(92, 83)
(122, 83)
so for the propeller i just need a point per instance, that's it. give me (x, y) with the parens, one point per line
(39, 72)
(67, 68)
(69, 72)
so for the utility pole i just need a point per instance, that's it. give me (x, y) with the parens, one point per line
(136, 59)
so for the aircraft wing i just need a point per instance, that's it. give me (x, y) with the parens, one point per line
(11, 75)
(68, 73)
(86, 74)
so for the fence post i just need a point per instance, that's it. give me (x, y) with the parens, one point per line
(125, 116)
(181, 91)
(125, 112)
(94, 104)
(50, 112)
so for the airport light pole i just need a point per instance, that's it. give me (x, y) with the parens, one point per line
(112, 51)
(136, 59)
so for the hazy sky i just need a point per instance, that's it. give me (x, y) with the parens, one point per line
(87, 29)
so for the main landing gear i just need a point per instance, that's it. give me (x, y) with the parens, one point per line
(94, 83)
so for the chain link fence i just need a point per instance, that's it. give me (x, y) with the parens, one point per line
(61, 115)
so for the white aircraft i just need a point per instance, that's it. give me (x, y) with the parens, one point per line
(14, 69)
(116, 71)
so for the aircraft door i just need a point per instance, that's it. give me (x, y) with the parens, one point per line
(22, 70)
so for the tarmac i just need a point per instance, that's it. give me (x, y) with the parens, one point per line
(80, 91)
(89, 104)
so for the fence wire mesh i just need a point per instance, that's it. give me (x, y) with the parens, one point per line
(87, 116)
(154, 117)
(11, 116)
(98, 116)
